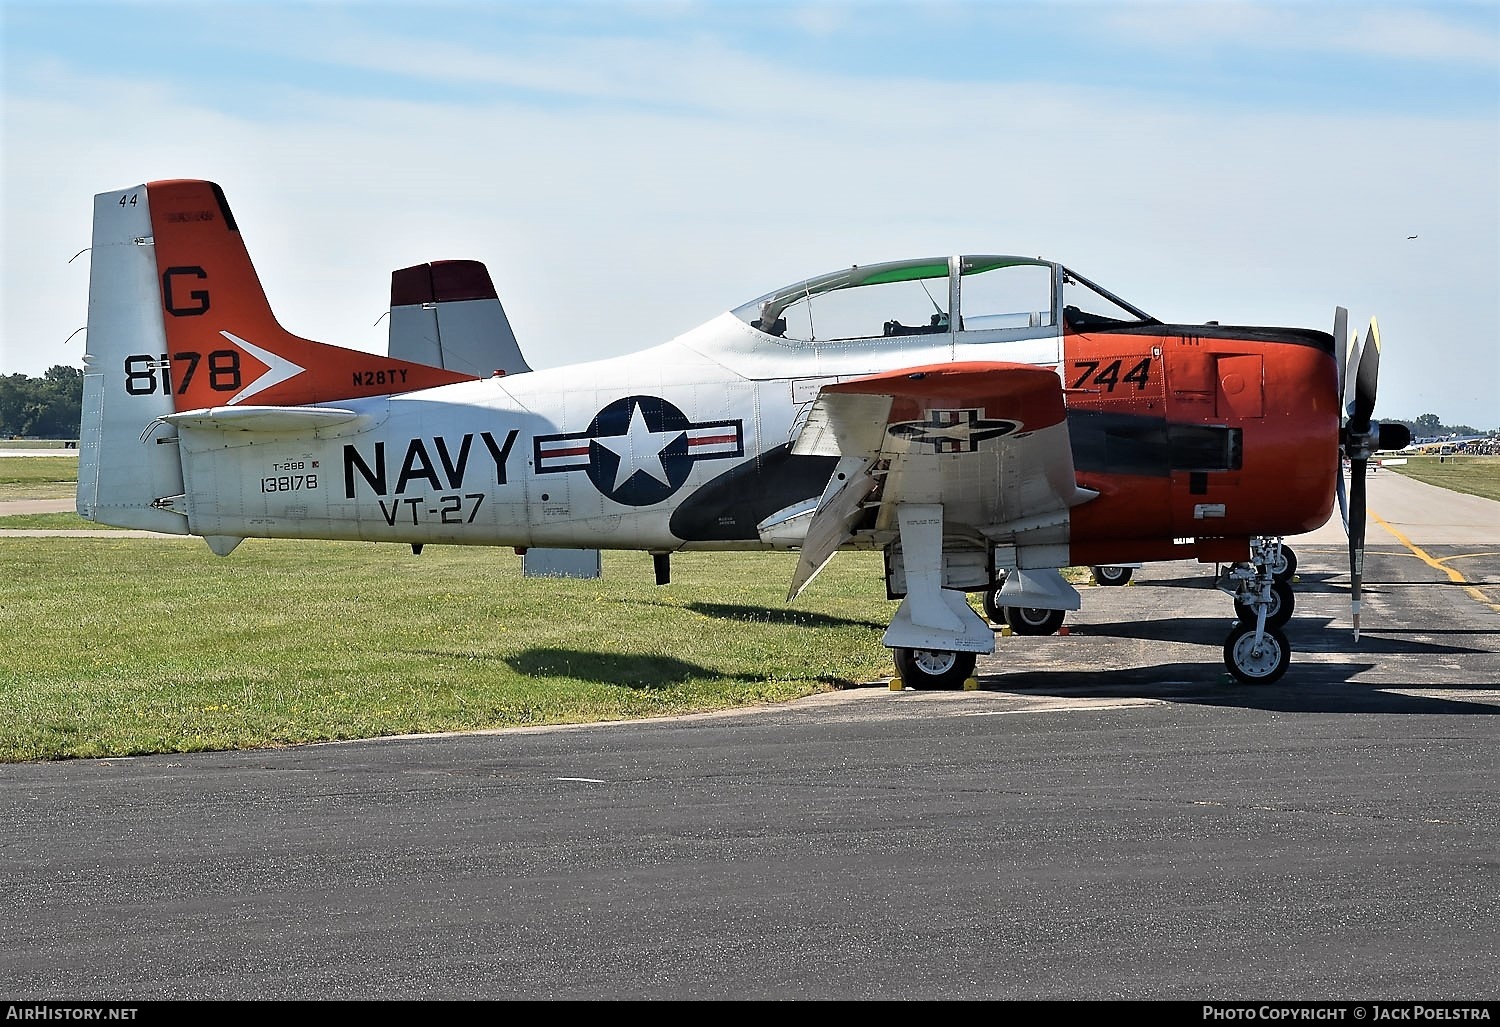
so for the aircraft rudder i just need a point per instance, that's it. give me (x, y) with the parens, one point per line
(125, 470)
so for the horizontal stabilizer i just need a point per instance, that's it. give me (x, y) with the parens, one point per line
(268, 419)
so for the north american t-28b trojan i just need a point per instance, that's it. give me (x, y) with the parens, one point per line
(984, 421)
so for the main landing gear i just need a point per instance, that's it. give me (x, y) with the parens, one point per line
(1256, 651)
(1111, 574)
(1022, 620)
(933, 668)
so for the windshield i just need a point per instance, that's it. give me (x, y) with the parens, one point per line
(1086, 306)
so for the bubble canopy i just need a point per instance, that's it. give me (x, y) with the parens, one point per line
(989, 292)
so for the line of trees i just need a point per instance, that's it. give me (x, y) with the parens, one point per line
(1429, 425)
(50, 407)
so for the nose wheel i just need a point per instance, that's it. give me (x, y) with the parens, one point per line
(1257, 658)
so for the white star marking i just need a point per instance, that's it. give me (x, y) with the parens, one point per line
(639, 449)
(280, 368)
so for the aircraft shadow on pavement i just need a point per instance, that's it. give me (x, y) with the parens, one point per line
(1312, 581)
(1307, 688)
(1321, 635)
(1339, 638)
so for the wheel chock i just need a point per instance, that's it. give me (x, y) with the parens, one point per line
(971, 684)
(896, 685)
(1005, 632)
(1062, 630)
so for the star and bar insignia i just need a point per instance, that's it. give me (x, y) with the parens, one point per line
(954, 431)
(639, 450)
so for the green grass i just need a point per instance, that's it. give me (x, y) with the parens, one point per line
(116, 647)
(52, 522)
(1474, 475)
(38, 477)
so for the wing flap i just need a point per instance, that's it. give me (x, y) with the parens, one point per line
(844, 424)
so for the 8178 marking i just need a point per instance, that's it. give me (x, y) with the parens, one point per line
(141, 380)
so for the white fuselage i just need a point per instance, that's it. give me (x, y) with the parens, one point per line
(594, 455)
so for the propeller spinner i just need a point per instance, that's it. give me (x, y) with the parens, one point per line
(1360, 439)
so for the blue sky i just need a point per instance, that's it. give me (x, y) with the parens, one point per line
(629, 170)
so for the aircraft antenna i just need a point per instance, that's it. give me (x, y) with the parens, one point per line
(930, 299)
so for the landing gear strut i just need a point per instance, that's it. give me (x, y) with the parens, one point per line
(1256, 651)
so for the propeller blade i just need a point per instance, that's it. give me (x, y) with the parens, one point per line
(1366, 374)
(1359, 439)
(1356, 536)
(1351, 365)
(1341, 344)
(1342, 492)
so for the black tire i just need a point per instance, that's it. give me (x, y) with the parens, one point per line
(1109, 575)
(992, 608)
(933, 668)
(1252, 666)
(1283, 600)
(1032, 620)
(1285, 568)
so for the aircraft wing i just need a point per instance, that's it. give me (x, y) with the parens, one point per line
(986, 441)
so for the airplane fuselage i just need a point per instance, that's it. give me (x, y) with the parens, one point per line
(1181, 430)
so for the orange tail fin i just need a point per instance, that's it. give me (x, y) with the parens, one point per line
(224, 345)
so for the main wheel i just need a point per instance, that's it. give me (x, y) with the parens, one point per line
(1282, 602)
(992, 608)
(1256, 664)
(1284, 568)
(1106, 575)
(1031, 620)
(933, 668)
